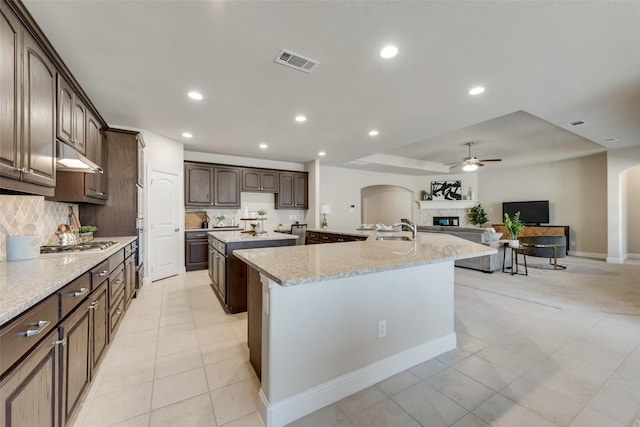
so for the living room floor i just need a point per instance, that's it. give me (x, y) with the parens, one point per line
(179, 360)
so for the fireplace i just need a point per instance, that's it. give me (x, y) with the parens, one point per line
(446, 220)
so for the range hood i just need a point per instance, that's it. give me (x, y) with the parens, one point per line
(69, 160)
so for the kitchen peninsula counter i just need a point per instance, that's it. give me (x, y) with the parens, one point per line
(311, 263)
(25, 283)
(328, 320)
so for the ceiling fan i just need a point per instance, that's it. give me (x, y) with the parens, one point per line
(471, 163)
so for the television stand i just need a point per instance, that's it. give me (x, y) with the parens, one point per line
(537, 230)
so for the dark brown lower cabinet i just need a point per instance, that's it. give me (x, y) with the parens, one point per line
(196, 250)
(99, 324)
(254, 320)
(76, 358)
(48, 354)
(31, 390)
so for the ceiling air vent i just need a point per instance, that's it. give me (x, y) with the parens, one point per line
(577, 123)
(296, 61)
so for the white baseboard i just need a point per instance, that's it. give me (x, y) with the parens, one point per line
(294, 407)
(594, 255)
(633, 256)
(615, 260)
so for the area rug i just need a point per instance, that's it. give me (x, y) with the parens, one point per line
(586, 284)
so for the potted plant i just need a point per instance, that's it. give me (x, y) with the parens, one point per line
(477, 215)
(514, 226)
(85, 233)
(220, 218)
(262, 213)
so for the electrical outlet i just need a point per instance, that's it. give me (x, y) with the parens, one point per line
(382, 328)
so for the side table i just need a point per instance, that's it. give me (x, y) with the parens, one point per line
(513, 269)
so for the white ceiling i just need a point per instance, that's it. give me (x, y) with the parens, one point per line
(544, 64)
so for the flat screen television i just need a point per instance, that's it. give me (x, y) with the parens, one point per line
(532, 213)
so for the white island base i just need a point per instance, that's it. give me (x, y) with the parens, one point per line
(320, 340)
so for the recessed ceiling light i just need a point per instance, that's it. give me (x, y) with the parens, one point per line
(263, 146)
(476, 90)
(195, 95)
(187, 135)
(322, 153)
(388, 52)
(373, 132)
(301, 118)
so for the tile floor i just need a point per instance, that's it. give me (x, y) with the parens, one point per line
(179, 360)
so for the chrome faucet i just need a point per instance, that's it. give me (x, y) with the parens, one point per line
(410, 225)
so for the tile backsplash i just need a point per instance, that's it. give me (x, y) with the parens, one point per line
(17, 211)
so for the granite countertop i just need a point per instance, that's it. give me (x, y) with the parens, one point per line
(25, 283)
(238, 236)
(225, 228)
(296, 265)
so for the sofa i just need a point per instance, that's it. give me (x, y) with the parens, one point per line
(485, 236)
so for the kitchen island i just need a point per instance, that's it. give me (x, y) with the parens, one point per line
(330, 320)
(227, 273)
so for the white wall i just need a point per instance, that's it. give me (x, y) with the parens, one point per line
(618, 162)
(223, 159)
(577, 194)
(340, 188)
(632, 212)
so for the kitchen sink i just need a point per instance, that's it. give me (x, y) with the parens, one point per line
(404, 238)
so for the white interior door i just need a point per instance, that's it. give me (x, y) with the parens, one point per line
(164, 225)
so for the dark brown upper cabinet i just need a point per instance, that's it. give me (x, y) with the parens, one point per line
(27, 119)
(198, 185)
(72, 117)
(259, 180)
(209, 185)
(293, 192)
(227, 187)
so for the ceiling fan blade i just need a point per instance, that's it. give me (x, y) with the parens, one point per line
(490, 160)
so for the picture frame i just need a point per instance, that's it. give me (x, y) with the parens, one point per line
(446, 190)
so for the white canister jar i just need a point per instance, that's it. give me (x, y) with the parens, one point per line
(21, 248)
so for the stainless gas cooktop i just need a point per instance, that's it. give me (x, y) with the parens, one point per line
(93, 245)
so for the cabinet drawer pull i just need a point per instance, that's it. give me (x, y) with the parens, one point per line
(117, 281)
(59, 342)
(80, 292)
(94, 305)
(200, 235)
(42, 324)
(103, 273)
(119, 311)
(100, 193)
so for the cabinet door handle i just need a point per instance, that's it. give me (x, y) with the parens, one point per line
(80, 292)
(94, 305)
(42, 324)
(103, 273)
(117, 281)
(99, 193)
(59, 342)
(118, 311)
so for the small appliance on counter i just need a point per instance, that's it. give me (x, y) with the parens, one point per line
(205, 221)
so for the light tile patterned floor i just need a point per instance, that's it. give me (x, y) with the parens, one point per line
(179, 360)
